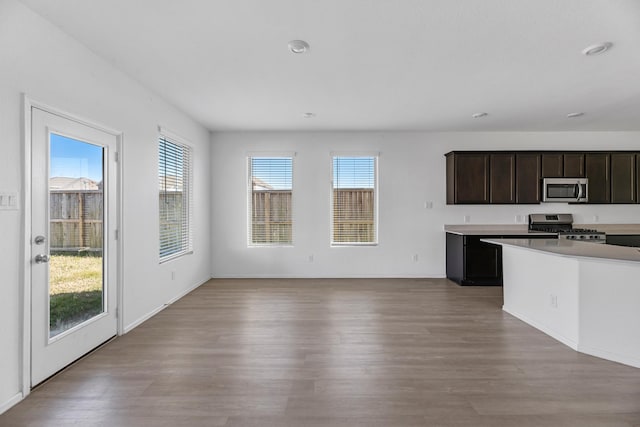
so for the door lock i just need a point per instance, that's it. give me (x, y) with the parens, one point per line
(39, 240)
(41, 258)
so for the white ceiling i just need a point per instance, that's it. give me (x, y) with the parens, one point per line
(373, 64)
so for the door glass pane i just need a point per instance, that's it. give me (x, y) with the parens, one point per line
(76, 202)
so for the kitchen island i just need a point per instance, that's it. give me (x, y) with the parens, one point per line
(585, 295)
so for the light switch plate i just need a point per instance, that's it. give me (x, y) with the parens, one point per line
(9, 200)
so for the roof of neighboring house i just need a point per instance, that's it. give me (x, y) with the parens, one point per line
(67, 183)
(259, 184)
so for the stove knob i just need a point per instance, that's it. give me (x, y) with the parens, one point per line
(582, 237)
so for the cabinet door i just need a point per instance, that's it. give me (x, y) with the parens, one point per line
(597, 170)
(471, 178)
(573, 165)
(552, 166)
(528, 178)
(483, 261)
(623, 178)
(502, 169)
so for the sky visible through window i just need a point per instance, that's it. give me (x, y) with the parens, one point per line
(71, 158)
(353, 172)
(276, 172)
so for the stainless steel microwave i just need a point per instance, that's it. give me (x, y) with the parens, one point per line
(574, 190)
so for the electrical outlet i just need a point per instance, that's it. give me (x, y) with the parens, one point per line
(467, 218)
(519, 219)
(173, 275)
(414, 258)
(553, 300)
(310, 258)
(428, 204)
(596, 218)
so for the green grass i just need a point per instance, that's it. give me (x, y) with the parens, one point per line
(75, 289)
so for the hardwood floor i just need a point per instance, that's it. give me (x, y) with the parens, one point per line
(366, 352)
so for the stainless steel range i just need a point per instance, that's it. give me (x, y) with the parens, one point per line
(562, 224)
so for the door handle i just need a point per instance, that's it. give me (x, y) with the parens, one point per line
(41, 258)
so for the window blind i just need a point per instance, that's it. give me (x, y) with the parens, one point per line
(354, 200)
(270, 217)
(174, 174)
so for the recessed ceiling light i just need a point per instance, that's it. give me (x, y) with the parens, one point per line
(597, 49)
(298, 46)
(573, 115)
(309, 115)
(479, 115)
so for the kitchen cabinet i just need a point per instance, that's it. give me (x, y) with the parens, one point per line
(467, 178)
(502, 175)
(473, 262)
(632, 240)
(528, 174)
(597, 167)
(623, 178)
(573, 165)
(552, 165)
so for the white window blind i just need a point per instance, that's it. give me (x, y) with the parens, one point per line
(354, 200)
(174, 173)
(270, 217)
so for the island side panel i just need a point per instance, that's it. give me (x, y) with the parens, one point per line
(610, 310)
(542, 290)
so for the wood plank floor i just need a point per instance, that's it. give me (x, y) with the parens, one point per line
(366, 352)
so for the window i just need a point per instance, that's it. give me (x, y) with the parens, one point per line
(174, 173)
(270, 219)
(354, 217)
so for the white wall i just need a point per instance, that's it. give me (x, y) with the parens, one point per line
(38, 59)
(411, 171)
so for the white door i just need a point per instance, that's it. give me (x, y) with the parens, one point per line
(73, 242)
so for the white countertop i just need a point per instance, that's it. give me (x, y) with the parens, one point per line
(522, 229)
(572, 248)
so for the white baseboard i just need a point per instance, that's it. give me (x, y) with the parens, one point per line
(157, 310)
(553, 334)
(343, 276)
(614, 357)
(5, 406)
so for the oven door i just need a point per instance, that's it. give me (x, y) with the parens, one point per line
(565, 190)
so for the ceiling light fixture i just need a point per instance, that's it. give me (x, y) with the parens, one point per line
(298, 46)
(309, 115)
(597, 49)
(574, 115)
(479, 115)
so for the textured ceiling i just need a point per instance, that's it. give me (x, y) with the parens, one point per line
(373, 64)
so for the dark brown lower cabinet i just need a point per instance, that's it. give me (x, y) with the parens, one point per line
(473, 262)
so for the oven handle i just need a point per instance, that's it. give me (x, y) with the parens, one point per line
(579, 191)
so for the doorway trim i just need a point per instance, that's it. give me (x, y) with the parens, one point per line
(25, 272)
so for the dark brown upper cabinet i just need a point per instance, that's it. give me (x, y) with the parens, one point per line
(623, 178)
(528, 174)
(502, 174)
(467, 178)
(552, 165)
(573, 165)
(597, 167)
(558, 165)
(502, 177)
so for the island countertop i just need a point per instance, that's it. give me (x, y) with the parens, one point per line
(522, 229)
(570, 248)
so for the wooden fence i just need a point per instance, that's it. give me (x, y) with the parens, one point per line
(271, 216)
(353, 216)
(75, 220)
